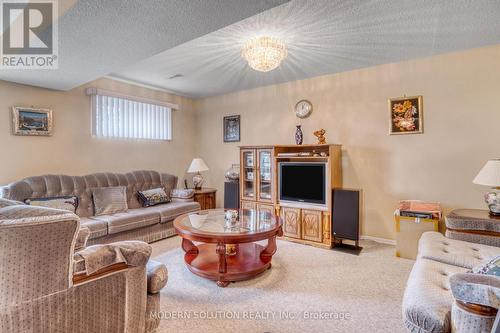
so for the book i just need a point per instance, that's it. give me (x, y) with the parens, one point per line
(422, 215)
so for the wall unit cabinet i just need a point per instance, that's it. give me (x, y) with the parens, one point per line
(257, 180)
(259, 186)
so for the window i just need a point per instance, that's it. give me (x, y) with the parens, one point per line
(119, 116)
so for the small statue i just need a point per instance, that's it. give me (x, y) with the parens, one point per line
(320, 134)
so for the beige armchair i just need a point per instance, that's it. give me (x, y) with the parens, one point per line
(47, 287)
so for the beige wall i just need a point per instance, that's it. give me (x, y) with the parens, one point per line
(461, 113)
(72, 150)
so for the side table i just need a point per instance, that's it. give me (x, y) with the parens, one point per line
(473, 225)
(206, 198)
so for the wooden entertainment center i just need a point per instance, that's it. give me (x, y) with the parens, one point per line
(259, 189)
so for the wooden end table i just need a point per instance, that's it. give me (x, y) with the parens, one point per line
(228, 252)
(205, 197)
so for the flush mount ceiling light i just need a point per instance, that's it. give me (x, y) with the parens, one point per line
(264, 53)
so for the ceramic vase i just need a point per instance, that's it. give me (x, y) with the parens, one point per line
(299, 136)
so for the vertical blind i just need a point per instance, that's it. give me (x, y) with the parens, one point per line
(117, 117)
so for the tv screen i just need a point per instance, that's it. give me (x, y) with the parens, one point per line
(302, 182)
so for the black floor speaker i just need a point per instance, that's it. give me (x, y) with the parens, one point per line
(231, 195)
(346, 215)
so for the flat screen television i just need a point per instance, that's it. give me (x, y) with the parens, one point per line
(302, 182)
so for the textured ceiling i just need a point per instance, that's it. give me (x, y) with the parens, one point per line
(323, 37)
(97, 37)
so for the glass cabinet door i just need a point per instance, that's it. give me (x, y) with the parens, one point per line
(248, 174)
(265, 175)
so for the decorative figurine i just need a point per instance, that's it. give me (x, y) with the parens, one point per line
(320, 134)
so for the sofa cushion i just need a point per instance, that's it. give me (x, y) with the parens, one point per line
(153, 197)
(435, 246)
(427, 300)
(69, 203)
(97, 228)
(185, 193)
(131, 219)
(109, 200)
(171, 210)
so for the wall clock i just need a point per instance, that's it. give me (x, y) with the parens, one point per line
(303, 109)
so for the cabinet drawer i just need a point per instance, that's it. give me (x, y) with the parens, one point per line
(291, 222)
(312, 225)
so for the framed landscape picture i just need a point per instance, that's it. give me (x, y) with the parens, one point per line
(406, 115)
(32, 121)
(231, 127)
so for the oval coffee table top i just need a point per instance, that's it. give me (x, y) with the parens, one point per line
(209, 226)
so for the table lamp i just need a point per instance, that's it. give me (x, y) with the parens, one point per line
(197, 166)
(490, 176)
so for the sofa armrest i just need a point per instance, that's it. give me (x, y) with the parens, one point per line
(94, 259)
(478, 289)
(157, 276)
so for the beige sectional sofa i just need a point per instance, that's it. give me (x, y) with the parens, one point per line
(146, 224)
(441, 279)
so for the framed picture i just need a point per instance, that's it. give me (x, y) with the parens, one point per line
(231, 128)
(32, 121)
(406, 115)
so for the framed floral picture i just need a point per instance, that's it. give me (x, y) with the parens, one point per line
(32, 121)
(231, 128)
(406, 115)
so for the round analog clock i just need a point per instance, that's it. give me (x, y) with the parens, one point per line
(303, 108)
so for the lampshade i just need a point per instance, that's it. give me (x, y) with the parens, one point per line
(197, 165)
(489, 174)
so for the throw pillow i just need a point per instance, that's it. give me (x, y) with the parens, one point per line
(489, 267)
(187, 193)
(109, 200)
(153, 197)
(69, 203)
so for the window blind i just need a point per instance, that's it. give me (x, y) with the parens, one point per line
(120, 117)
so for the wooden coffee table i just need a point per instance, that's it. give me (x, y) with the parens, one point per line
(227, 253)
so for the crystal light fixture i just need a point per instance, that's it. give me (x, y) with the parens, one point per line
(264, 53)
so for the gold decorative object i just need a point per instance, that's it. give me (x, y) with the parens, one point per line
(320, 134)
(231, 249)
(264, 53)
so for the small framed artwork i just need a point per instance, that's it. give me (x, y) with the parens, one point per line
(32, 121)
(406, 115)
(231, 128)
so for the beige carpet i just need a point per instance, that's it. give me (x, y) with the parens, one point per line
(351, 293)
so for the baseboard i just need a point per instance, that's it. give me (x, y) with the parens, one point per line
(379, 240)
